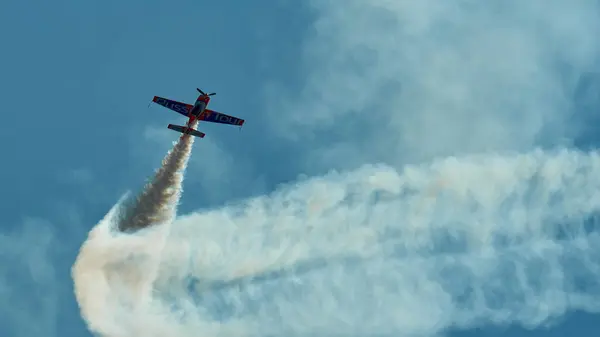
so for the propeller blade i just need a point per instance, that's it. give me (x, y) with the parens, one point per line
(211, 94)
(200, 91)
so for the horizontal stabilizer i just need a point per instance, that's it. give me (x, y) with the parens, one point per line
(185, 129)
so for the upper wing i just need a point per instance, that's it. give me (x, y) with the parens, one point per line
(179, 107)
(217, 117)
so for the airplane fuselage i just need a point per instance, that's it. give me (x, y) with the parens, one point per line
(198, 109)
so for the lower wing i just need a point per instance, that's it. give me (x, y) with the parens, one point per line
(178, 107)
(217, 117)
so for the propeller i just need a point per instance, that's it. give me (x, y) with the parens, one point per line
(203, 93)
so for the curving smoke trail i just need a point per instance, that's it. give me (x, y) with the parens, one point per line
(502, 239)
(114, 271)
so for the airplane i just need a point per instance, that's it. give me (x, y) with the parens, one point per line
(196, 112)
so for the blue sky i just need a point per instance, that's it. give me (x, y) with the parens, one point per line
(323, 86)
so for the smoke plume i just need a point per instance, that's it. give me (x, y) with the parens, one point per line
(454, 243)
(114, 270)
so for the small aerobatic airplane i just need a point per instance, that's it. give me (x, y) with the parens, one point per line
(196, 112)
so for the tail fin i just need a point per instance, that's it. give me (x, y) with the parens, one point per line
(184, 129)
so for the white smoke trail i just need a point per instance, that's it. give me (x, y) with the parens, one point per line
(505, 239)
(157, 202)
(113, 273)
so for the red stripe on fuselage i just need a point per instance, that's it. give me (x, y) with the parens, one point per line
(204, 99)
